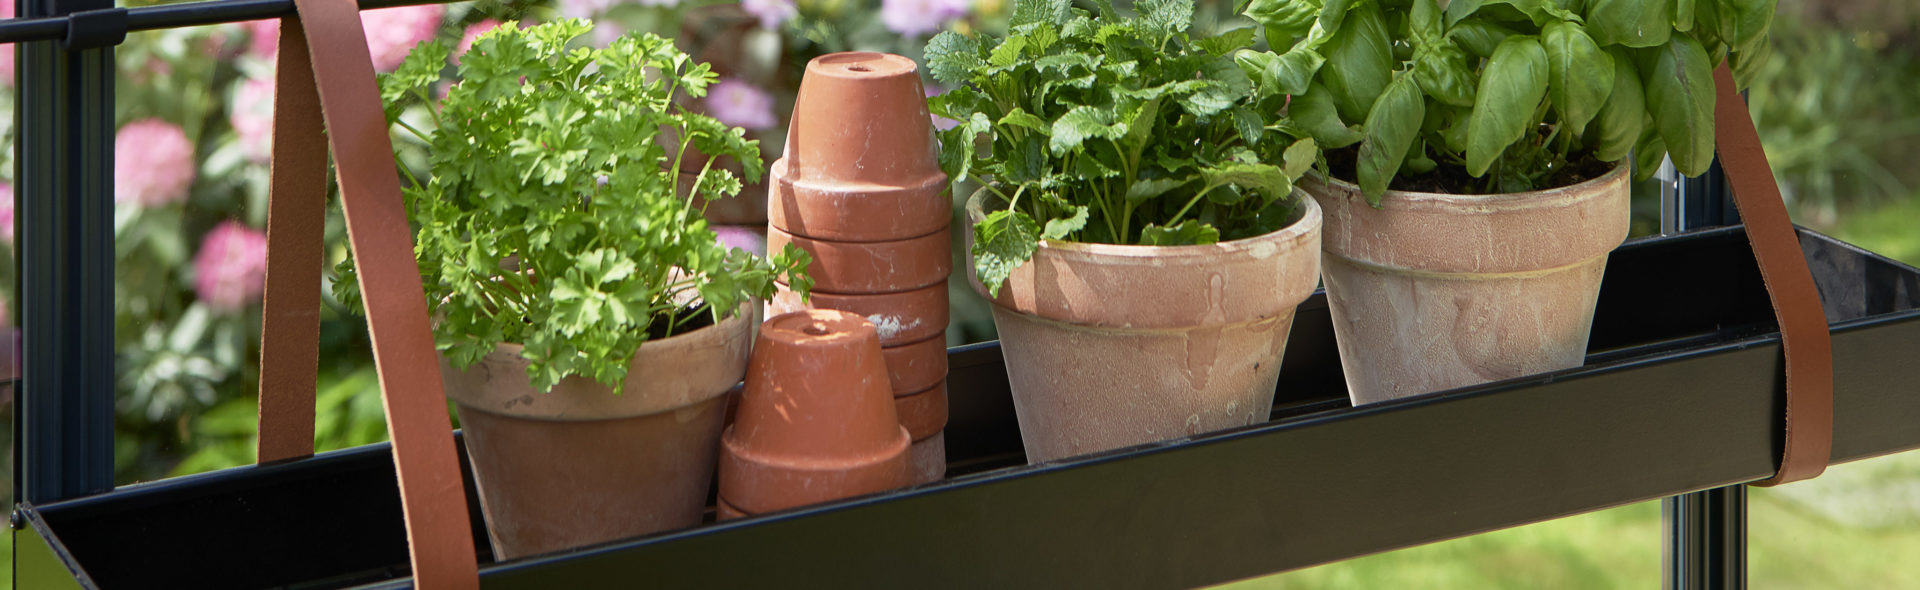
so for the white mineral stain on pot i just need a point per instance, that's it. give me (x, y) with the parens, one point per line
(890, 326)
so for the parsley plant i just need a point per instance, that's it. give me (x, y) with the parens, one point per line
(552, 216)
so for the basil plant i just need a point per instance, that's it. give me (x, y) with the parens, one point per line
(1516, 94)
(1091, 127)
(552, 215)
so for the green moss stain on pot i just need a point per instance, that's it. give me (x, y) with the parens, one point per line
(1432, 292)
(860, 189)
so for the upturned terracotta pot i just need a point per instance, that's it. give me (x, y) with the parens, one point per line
(901, 318)
(582, 463)
(917, 366)
(1110, 346)
(872, 267)
(817, 421)
(1434, 291)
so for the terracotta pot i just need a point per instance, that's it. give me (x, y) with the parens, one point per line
(816, 422)
(1434, 291)
(872, 267)
(1110, 346)
(927, 460)
(581, 463)
(924, 415)
(917, 366)
(902, 318)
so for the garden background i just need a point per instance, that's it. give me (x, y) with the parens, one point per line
(1837, 108)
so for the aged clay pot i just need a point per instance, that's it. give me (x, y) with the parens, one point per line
(1110, 346)
(1436, 291)
(902, 318)
(924, 415)
(872, 267)
(583, 464)
(817, 421)
(917, 366)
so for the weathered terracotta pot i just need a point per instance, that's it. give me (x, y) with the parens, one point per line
(1434, 291)
(583, 464)
(902, 318)
(817, 421)
(917, 366)
(872, 267)
(1110, 346)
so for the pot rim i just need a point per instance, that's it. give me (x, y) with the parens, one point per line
(1548, 197)
(1123, 253)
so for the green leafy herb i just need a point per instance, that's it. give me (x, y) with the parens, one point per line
(1513, 91)
(1095, 128)
(553, 214)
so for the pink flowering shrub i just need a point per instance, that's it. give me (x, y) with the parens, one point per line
(770, 12)
(6, 212)
(392, 32)
(251, 114)
(153, 163)
(739, 104)
(741, 237)
(231, 269)
(914, 18)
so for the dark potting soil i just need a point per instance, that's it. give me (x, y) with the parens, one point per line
(1453, 180)
(688, 320)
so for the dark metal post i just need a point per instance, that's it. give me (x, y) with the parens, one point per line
(63, 168)
(1706, 543)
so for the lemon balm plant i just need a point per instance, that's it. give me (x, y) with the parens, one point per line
(590, 324)
(1477, 159)
(1138, 232)
(549, 216)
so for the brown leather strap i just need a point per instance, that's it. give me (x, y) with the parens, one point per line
(431, 492)
(1804, 335)
(296, 220)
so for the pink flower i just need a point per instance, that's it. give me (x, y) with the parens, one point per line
(231, 269)
(770, 12)
(473, 32)
(6, 214)
(741, 237)
(6, 51)
(739, 104)
(919, 17)
(392, 32)
(583, 8)
(152, 164)
(939, 122)
(265, 38)
(251, 113)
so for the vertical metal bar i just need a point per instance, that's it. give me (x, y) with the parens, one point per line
(1706, 543)
(63, 151)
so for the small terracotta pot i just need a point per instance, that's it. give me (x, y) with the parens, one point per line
(927, 460)
(817, 421)
(1433, 291)
(902, 318)
(1110, 346)
(917, 366)
(923, 413)
(826, 210)
(872, 267)
(581, 463)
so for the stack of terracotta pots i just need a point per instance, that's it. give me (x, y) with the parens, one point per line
(861, 190)
(816, 422)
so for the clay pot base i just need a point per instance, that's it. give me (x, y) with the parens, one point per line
(534, 504)
(917, 366)
(923, 413)
(724, 511)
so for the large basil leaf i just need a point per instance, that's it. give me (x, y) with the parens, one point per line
(1679, 85)
(1360, 62)
(1444, 73)
(1617, 127)
(1579, 74)
(1286, 73)
(1391, 126)
(1744, 23)
(1633, 23)
(1511, 87)
(1284, 20)
(1479, 37)
(1313, 110)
